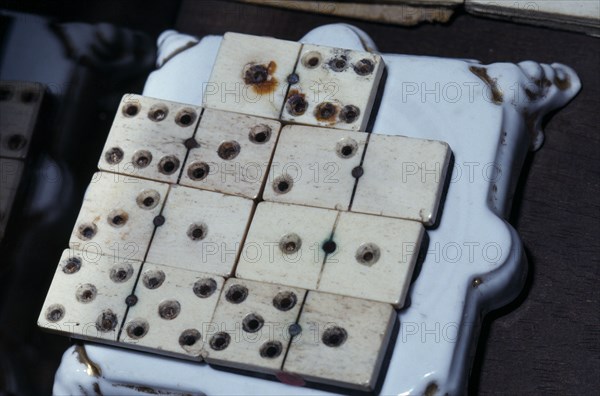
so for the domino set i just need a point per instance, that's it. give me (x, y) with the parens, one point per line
(215, 233)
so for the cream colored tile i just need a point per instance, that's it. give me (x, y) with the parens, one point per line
(284, 244)
(374, 259)
(233, 153)
(403, 177)
(203, 231)
(173, 306)
(250, 327)
(250, 75)
(148, 138)
(117, 215)
(336, 88)
(313, 166)
(87, 295)
(343, 340)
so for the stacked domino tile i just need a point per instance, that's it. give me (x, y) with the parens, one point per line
(20, 103)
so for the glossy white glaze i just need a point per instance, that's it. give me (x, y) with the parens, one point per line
(475, 260)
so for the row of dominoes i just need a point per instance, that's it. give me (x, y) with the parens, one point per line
(236, 323)
(19, 108)
(188, 238)
(312, 248)
(233, 154)
(294, 82)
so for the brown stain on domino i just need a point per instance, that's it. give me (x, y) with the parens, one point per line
(261, 77)
(482, 73)
(296, 103)
(326, 112)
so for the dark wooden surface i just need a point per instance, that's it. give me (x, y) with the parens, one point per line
(547, 342)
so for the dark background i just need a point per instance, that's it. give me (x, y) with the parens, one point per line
(546, 342)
